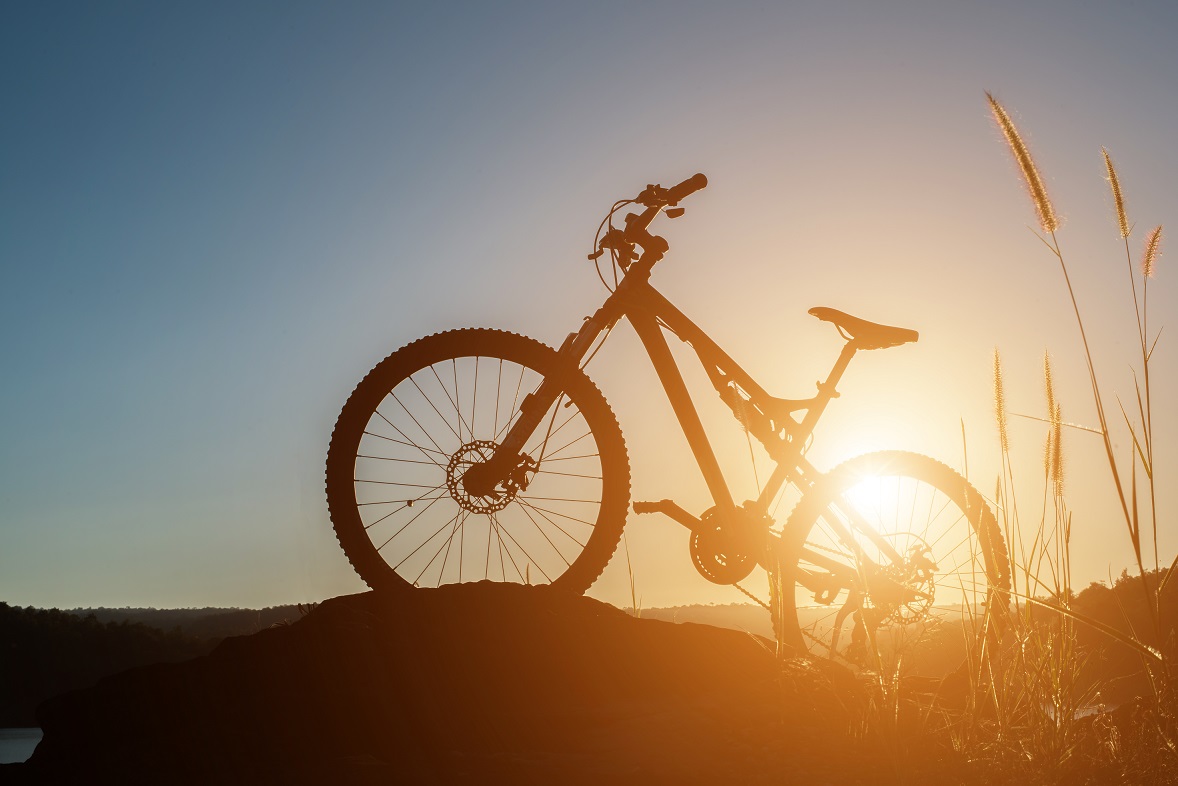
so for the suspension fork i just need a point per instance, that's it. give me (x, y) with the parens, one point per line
(531, 410)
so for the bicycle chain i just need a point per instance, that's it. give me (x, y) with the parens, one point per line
(754, 598)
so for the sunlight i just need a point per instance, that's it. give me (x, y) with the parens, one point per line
(874, 494)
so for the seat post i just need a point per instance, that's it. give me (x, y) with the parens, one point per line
(827, 390)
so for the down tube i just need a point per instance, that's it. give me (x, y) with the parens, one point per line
(664, 363)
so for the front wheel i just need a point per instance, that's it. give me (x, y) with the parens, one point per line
(405, 510)
(886, 545)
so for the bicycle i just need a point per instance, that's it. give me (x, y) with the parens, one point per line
(432, 480)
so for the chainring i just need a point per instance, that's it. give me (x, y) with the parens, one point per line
(719, 549)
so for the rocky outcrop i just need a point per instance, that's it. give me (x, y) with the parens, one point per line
(478, 683)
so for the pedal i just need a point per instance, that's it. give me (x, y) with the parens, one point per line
(670, 510)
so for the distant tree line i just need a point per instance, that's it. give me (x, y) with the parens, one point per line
(206, 623)
(1109, 666)
(47, 652)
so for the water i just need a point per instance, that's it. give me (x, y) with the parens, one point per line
(18, 744)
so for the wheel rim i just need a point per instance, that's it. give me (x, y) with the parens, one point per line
(925, 567)
(433, 426)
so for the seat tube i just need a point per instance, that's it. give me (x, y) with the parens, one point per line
(826, 390)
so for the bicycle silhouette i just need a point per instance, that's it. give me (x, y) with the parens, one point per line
(479, 454)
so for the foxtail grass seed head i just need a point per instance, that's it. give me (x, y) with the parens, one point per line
(1153, 248)
(1118, 198)
(1053, 453)
(1048, 385)
(1048, 220)
(1057, 450)
(1000, 403)
(1047, 450)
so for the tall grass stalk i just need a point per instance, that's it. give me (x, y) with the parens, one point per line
(1025, 698)
(635, 603)
(1030, 175)
(1047, 661)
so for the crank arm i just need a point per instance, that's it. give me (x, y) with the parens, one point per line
(672, 511)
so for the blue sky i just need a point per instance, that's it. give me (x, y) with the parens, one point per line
(214, 218)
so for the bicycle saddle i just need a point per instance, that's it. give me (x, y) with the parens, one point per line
(866, 335)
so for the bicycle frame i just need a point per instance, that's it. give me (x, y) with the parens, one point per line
(767, 418)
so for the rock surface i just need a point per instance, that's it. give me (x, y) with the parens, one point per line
(477, 683)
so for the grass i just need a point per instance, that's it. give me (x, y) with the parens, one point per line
(1024, 713)
(1022, 721)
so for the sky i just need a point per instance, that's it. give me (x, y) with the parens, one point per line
(216, 217)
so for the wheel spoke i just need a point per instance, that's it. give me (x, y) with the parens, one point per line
(401, 460)
(449, 543)
(567, 445)
(565, 499)
(395, 483)
(502, 548)
(553, 523)
(498, 390)
(428, 436)
(405, 502)
(434, 407)
(424, 451)
(403, 526)
(523, 551)
(453, 524)
(568, 474)
(527, 501)
(437, 532)
(407, 444)
(474, 396)
(449, 398)
(545, 534)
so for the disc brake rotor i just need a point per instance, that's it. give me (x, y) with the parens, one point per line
(476, 454)
(910, 583)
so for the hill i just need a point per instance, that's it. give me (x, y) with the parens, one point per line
(486, 683)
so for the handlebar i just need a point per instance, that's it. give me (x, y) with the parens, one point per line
(688, 187)
(654, 198)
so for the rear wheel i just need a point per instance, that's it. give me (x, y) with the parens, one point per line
(883, 551)
(404, 509)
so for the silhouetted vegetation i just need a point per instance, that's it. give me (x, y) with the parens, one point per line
(44, 653)
(207, 623)
(1112, 668)
(47, 652)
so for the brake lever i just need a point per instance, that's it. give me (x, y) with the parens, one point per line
(652, 195)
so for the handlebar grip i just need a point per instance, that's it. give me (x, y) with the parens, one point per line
(687, 187)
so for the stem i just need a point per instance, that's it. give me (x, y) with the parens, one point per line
(1148, 424)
